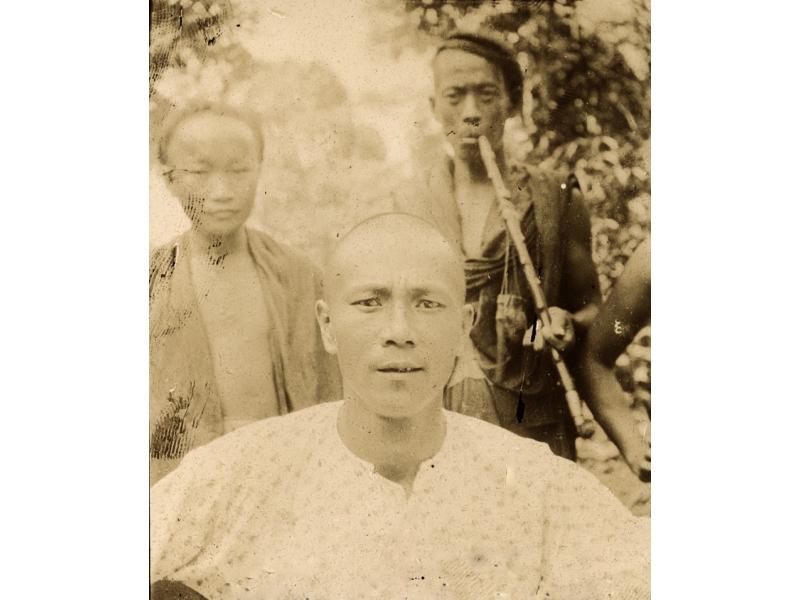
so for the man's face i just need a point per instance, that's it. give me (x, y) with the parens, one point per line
(396, 318)
(215, 161)
(470, 100)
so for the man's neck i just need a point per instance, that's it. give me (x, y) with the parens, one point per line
(395, 446)
(217, 249)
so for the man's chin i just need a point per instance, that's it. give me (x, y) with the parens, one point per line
(403, 407)
(219, 233)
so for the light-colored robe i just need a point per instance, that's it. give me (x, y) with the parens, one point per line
(282, 509)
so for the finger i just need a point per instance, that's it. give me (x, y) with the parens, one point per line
(538, 342)
(528, 338)
(539, 339)
(553, 334)
(547, 335)
(558, 324)
(558, 344)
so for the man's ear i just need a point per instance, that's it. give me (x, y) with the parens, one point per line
(432, 102)
(468, 318)
(509, 110)
(324, 322)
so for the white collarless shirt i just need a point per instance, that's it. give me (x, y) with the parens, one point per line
(282, 509)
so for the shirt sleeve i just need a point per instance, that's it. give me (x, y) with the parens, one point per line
(594, 547)
(182, 509)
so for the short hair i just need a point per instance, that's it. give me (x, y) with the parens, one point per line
(178, 115)
(494, 51)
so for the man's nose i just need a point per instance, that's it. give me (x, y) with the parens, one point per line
(397, 329)
(218, 188)
(470, 113)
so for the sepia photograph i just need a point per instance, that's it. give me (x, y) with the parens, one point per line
(399, 299)
(403, 269)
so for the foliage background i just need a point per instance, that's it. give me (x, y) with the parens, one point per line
(342, 90)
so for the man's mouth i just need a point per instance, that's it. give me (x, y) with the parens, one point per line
(399, 369)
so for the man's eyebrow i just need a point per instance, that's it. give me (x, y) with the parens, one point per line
(377, 289)
(430, 289)
(382, 290)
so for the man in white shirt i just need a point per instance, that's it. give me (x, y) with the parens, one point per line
(385, 494)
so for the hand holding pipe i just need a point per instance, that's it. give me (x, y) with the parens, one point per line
(514, 229)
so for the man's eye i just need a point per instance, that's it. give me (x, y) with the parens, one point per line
(452, 97)
(239, 170)
(194, 171)
(430, 304)
(367, 302)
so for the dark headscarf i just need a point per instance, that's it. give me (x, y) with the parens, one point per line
(496, 53)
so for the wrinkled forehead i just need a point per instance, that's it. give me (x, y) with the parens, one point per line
(453, 65)
(400, 260)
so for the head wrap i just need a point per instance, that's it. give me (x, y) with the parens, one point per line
(496, 53)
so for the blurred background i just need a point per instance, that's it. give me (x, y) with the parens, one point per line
(342, 89)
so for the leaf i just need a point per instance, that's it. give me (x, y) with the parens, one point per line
(610, 156)
(610, 142)
(584, 181)
(571, 148)
(592, 126)
(622, 174)
(636, 59)
(593, 13)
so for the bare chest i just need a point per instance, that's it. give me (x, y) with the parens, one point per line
(232, 306)
(230, 295)
(474, 204)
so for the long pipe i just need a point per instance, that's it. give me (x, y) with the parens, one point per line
(511, 219)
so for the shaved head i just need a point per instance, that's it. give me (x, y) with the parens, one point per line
(391, 237)
(394, 313)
